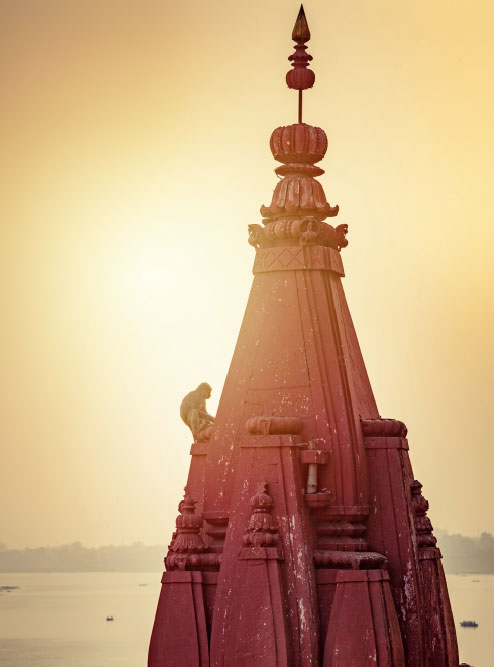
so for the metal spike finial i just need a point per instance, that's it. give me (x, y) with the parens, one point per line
(301, 30)
(300, 77)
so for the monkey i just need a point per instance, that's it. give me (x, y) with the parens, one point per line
(193, 409)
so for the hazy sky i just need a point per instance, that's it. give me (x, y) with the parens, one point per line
(135, 152)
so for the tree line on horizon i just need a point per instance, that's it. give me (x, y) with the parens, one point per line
(460, 555)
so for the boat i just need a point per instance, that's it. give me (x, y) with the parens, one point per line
(109, 618)
(469, 624)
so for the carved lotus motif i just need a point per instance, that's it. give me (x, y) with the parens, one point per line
(296, 195)
(298, 147)
(299, 143)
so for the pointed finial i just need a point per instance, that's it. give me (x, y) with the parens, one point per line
(300, 78)
(301, 30)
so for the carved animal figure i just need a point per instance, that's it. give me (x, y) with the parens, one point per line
(193, 409)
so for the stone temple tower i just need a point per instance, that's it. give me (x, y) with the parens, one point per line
(303, 537)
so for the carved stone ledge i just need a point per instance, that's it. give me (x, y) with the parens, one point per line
(346, 512)
(258, 553)
(188, 562)
(317, 500)
(216, 518)
(198, 449)
(384, 442)
(349, 560)
(271, 441)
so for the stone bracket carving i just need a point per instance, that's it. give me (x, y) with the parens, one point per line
(384, 428)
(274, 425)
(301, 230)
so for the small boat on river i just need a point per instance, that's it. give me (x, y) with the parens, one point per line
(469, 624)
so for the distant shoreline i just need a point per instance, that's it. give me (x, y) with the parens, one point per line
(159, 571)
(461, 555)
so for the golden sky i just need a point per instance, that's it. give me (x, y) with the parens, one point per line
(135, 152)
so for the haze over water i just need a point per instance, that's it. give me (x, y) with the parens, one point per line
(60, 619)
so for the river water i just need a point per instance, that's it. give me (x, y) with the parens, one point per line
(60, 618)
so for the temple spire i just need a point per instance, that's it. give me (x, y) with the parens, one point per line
(333, 563)
(300, 78)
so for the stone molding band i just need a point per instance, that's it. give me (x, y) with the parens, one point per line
(293, 258)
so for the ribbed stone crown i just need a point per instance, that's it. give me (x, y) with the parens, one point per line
(300, 143)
